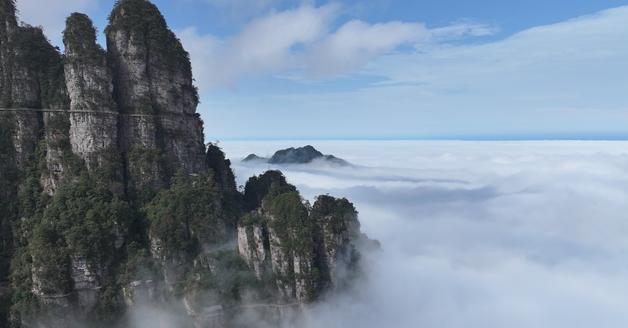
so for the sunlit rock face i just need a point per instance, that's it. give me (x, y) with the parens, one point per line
(94, 117)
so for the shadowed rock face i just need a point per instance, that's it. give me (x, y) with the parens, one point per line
(152, 74)
(295, 155)
(221, 168)
(152, 70)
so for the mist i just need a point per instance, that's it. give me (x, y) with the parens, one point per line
(475, 234)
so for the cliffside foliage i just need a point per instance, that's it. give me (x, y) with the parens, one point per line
(187, 216)
(144, 17)
(334, 214)
(8, 199)
(141, 22)
(267, 185)
(43, 66)
(80, 35)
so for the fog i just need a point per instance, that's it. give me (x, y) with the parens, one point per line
(476, 234)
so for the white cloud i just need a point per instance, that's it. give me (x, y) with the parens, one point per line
(301, 39)
(356, 43)
(264, 45)
(51, 15)
(478, 234)
(242, 9)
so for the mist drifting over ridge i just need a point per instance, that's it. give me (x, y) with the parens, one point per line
(477, 234)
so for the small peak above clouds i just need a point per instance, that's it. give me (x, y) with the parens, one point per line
(302, 155)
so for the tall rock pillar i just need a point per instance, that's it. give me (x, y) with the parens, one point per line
(153, 86)
(93, 113)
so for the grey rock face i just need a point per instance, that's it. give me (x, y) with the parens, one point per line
(25, 135)
(251, 247)
(339, 233)
(153, 86)
(152, 70)
(56, 136)
(182, 140)
(93, 138)
(8, 25)
(86, 283)
(32, 77)
(93, 134)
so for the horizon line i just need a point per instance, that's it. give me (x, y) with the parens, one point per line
(468, 138)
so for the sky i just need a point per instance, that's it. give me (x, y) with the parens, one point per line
(395, 69)
(486, 234)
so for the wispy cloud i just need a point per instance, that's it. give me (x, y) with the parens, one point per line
(236, 11)
(306, 40)
(265, 45)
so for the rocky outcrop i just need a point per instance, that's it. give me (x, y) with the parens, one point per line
(32, 77)
(8, 26)
(254, 244)
(152, 70)
(94, 114)
(221, 168)
(309, 251)
(86, 280)
(338, 239)
(153, 86)
(26, 133)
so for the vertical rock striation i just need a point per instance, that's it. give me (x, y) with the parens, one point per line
(153, 86)
(94, 114)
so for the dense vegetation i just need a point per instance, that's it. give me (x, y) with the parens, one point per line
(187, 216)
(267, 185)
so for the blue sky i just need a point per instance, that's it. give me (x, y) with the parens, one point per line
(487, 69)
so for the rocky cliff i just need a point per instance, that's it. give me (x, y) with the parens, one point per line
(110, 200)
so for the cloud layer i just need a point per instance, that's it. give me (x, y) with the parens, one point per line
(478, 234)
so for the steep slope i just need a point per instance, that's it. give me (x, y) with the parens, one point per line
(110, 201)
(153, 87)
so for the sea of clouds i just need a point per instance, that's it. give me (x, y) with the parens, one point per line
(476, 234)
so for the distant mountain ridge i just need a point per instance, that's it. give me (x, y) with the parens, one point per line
(301, 155)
